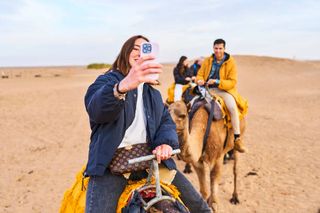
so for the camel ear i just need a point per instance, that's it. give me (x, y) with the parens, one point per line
(166, 105)
(188, 106)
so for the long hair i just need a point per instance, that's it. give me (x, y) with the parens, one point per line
(122, 61)
(180, 65)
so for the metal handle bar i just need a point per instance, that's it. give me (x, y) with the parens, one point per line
(149, 157)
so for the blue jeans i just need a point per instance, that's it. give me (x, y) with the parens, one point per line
(103, 193)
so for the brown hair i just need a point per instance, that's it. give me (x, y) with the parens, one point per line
(122, 61)
(181, 68)
(220, 41)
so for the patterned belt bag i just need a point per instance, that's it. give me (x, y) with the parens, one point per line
(119, 163)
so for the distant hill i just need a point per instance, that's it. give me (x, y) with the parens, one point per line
(98, 66)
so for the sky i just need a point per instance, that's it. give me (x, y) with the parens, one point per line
(79, 32)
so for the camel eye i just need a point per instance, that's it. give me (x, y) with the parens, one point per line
(182, 116)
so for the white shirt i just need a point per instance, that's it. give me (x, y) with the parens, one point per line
(136, 132)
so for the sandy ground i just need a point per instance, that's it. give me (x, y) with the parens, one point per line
(44, 136)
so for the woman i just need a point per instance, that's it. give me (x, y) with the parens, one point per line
(195, 67)
(124, 109)
(182, 76)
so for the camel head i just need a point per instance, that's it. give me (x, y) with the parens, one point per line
(190, 141)
(179, 113)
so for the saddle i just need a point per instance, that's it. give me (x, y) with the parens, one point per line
(217, 103)
(216, 110)
(74, 199)
(138, 193)
(152, 194)
(220, 110)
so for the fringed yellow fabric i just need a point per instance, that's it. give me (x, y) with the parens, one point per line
(226, 112)
(74, 199)
(242, 113)
(170, 91)
(133, 185)
(170, 98)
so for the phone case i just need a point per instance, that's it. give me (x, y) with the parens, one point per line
(150, 48)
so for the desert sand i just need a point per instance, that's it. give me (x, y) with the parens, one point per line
(44, 136)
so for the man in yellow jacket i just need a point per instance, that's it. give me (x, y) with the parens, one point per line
(220, 72)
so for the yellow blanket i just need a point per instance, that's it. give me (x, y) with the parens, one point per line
(226, 112)
(170, 98)
(126, 194)
(74, 199)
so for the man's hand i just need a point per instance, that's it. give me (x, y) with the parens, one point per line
(211, 81)
(200, 82)
(162, 152)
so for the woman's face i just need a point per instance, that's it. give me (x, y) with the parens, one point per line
(186, 62)
(135, 53)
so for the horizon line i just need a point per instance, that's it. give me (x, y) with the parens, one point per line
(165, 62)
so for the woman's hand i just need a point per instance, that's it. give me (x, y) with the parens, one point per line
(187, 79)
(162, 152)
(139, 73)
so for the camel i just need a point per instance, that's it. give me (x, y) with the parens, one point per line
(209, 163)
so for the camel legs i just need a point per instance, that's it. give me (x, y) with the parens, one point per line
(235, 200)
(202, 170)
(187, 169)
(215, 176)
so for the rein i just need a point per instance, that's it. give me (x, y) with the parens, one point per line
(210, 99)
(205, 138)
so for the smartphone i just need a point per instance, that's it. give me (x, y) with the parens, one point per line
(150, 48)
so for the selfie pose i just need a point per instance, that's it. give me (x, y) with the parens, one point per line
(124, 109)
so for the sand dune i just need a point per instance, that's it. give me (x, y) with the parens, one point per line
(44, 136)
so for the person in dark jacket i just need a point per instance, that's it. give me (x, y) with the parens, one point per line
(124, 109)
(182, 76)
(195, 67)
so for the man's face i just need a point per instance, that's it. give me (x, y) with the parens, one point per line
(218, 51)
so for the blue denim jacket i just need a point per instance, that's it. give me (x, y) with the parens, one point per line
(110, 117)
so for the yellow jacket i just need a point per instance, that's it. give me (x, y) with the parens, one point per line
(228, 79)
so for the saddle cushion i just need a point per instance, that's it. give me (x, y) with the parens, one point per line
(133, 186)
(218, 111)
(74, 199)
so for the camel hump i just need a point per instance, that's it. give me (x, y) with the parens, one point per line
(218, 112)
